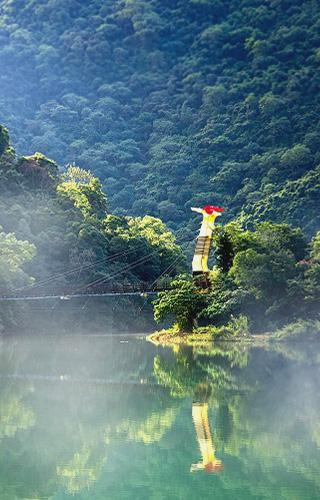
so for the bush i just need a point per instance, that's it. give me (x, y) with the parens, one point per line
(299, 331)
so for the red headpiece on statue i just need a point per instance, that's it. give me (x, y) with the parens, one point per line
(210, 209)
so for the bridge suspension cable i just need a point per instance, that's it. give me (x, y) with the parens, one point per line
(134, 264)
(103, 279)
(53, 277)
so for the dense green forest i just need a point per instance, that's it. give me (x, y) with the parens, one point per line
(56, 230)
(172, 103)
(163, 105)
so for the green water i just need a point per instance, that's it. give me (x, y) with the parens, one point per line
(94, 417)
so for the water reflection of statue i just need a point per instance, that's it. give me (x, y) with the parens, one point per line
(209, 461)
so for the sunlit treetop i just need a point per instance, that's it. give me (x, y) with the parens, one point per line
(85, 192)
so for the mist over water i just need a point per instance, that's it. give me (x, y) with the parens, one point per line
(84, 315)
(112, 416)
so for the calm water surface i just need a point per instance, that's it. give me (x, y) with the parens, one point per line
(95, 417)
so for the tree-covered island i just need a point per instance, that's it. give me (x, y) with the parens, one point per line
(264, 279)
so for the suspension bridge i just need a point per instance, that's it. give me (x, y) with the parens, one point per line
(71, 292)
(114, 284)
(60, 286)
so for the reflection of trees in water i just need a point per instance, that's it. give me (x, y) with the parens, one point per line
(64, 443)
(264, 410)
(204, 375)
(84, 468)
(55, 430)
(228, 405)
(150, 430)
(14, 414)
(192, 367)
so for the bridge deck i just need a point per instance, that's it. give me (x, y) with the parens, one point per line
(65, 292)
(74, 296)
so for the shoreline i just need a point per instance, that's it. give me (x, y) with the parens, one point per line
(298, 331)
(168, 338)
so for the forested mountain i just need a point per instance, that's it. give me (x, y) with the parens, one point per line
(172, 103)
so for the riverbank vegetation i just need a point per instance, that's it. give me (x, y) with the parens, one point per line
(298, 331)
(236, 330)
(57, 231)
(263, 280)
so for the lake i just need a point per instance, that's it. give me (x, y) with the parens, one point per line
(115, 417)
